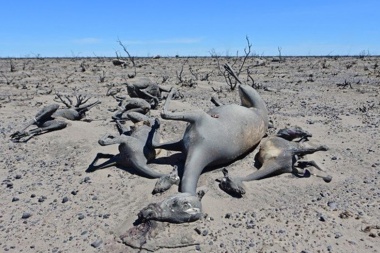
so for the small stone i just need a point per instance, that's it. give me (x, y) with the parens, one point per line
(74, 192)
(87, 179)
(18, 176)
(81, 216)
(97, 243)
(33, 195)
(334, 158)
(106, 216)
(250, 224)
(205, 232)
(338, 235)
(198, 247)
(26, 215)
(198, 231)
(227, 216)
(14, 199)
(65, 199)
(332, 204)
(94, 198)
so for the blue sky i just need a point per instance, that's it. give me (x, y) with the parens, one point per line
(164, 27)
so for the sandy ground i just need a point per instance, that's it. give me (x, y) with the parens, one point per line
(50, 204)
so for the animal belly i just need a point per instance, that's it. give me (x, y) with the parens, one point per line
(227, 135)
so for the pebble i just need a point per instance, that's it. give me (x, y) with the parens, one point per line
(81, 216)
(65, 199)
(332, 204)
(250, 224)
(26, 215)
(97, 243)
(14, 199)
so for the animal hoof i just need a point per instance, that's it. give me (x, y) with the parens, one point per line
(165, 182)
(157, 123)
(324, 148)
(231, 186)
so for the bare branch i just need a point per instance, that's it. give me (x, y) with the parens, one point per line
(8, 81)
(179, 75)
(193, 73)
(131, 58)
(102, 77)
(247, 52)
(62, 100)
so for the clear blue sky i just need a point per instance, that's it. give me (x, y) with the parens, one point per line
(167, 27)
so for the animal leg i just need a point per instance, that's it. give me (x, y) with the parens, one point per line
(305, 164)
(309, 150)
(215, 101)
(48, 126)
(170, 145)
(125, 130)
(164, 183)
(269, 168)
(85, 108)
(183, 116)
(138, 162)
(43, 115)
(112, 161)
(154, 98)
(196, 161)
(137, 117)
(235, 187)
(153, 139)
(302, 171)
(120, 112)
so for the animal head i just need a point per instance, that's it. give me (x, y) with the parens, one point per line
(182, 207)
(293, 133)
